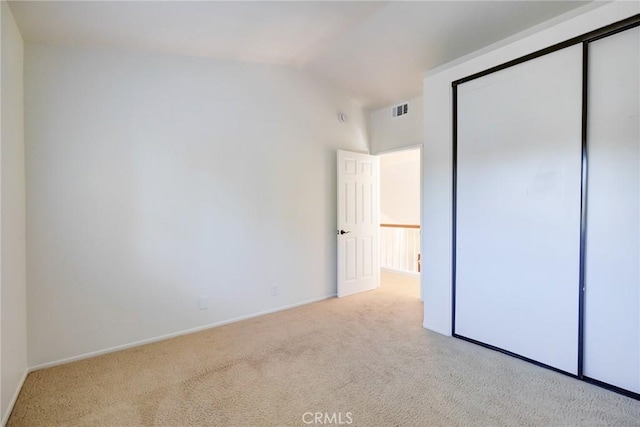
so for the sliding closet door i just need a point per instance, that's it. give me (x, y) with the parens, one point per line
(517, 209)
(612, 280)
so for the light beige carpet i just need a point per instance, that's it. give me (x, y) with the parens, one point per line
(364, 358)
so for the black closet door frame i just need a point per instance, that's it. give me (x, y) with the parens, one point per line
(584, 39)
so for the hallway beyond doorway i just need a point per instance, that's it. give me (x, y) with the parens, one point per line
(400, 283)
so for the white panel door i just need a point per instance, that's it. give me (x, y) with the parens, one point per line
(358, 223)
(612, 280)
(518, 208)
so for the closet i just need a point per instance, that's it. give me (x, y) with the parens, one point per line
(612, 258)
(546, 207)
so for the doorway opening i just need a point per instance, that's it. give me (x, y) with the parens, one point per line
(400, 228)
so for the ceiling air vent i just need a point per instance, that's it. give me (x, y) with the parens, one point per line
(399, 110)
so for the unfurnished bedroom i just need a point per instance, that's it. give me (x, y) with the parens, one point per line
(303, 213)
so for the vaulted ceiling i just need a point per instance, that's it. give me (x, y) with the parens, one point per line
(373, 51)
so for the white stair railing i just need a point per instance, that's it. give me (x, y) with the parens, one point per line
(400, 247)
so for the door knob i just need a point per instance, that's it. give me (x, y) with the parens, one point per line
(343, 232)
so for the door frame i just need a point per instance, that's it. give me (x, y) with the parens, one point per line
(420, 151)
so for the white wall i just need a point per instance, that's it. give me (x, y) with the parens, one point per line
(12, 230)
(436, 218)
(155, 179)
(388, 133)
(400, 187)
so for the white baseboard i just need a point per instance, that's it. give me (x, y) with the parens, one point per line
(403, 272)
(172, 335)
(12, 403)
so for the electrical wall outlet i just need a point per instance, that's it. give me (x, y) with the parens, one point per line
(274, 290)
(203, 302)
